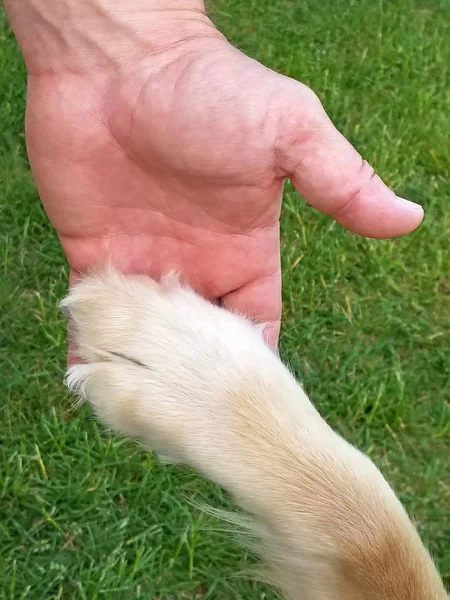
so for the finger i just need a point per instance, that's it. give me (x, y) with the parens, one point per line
(331, 175)
(259, 300)
(72, 357)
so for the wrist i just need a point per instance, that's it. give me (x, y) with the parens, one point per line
(82, 35)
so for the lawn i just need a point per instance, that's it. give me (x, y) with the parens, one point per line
(85, 515)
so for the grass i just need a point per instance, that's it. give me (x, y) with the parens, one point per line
(366, 325)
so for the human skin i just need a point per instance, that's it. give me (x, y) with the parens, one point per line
(156, 145)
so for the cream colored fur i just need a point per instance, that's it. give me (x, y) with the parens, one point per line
(199, 384)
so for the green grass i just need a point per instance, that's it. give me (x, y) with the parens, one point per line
(84, 515)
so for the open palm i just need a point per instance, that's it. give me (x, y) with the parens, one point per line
(178, 162)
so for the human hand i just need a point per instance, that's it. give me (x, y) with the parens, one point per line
(156, 144)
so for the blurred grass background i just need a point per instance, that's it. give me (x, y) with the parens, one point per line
(84, 515)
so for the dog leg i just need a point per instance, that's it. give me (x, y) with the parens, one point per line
(198, 383)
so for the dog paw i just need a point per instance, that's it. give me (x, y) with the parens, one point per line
(159, 363)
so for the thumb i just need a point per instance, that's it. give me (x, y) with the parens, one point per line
(332, 176)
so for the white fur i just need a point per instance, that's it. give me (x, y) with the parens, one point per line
(199, 384)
